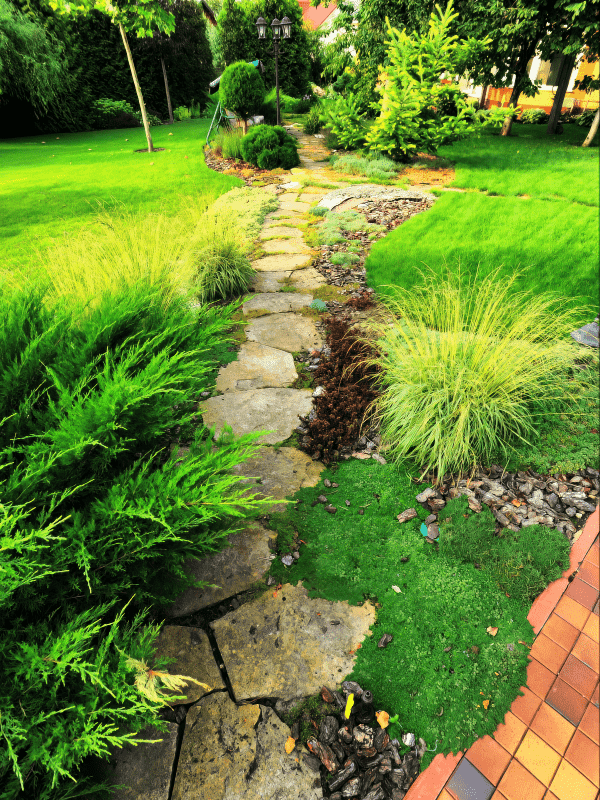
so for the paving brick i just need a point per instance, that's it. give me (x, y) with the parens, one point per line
(467, 783)
(553, 728)
(519, 784)
(572, 611)
(584, 754)
(586, 650)
(539, 678)
(590, 574)
(592, 627)
(510, 733)
(561, 632)
(578, 675)
(564, 699)
(548, 653)
(590, 723)
(525, 707)
(489, 758)
(538, 757)
(570, 784)
(583, 593)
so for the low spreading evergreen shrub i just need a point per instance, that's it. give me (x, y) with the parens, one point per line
(270, 147)
(98, 515)
(371, 165)
(533, 116)
(108, 113)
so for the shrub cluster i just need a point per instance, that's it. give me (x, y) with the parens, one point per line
(97, 514)
(533, 116)
(270, 147)
(108, 113)
(312, 124)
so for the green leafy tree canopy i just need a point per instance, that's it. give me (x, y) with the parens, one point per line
(242, 90)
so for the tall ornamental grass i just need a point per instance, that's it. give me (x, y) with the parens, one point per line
(464, 365)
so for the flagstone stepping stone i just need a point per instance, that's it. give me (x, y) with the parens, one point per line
(281, 230)
(281, 473)
(291, 185)
(291, 332)
(234, 569)
(274, 410)
(285, 246)
(289, 205)
(194, 657)
(281, 263)
(232, 752)
(269, 281)
(257, 367)
(305, 643)
(307, 279)
(283, 214)
(288, 196)
(145, 769)
(277, 302)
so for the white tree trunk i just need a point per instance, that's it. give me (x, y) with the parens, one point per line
(593, 130)
(137, 88)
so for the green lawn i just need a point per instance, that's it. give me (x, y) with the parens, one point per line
(54, 188)
(528, 163)
(554, 242)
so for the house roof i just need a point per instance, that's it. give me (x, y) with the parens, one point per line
(316, 16)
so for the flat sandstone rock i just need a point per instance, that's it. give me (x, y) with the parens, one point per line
(257, 367)
(290, 332)
(194, 658)
(232, 570)
(281, 263)
(307, 279)
(275, 410)
(277, 302)
(234, 752)
(145, 769)
(286, 645)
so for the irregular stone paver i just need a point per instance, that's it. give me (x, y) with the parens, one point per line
(277, 302)
(257, 367)
(290, 205)
(286, 645)
(275, 410)
(282, 263)
(309, 278)
(145, 769)
(287, 215)
(194, 657)
(288, 197)
(234, 752)
(269, 281)
(291, 185)
(231, 571)
(285, 246)
(291, 332)
(344, 193)
(281, 230)
(281, 472)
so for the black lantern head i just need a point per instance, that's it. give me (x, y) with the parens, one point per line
(286, 27)
(262, 28)
(276, 25)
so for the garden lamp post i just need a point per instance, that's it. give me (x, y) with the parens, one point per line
(280, 29)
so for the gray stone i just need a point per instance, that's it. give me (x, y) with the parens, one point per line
(280, 230)
(307, 279)
(291, 205)
(277, 302)
(257, 367)
(234, 752)
(281, 263)
(291, 246)
(281, 472)
(286, 645)
(269, 281)
(291, 332)
(144, 769)
(588, 334)
(290, 216)
(194, 658)
(274, 410)
(231, 571)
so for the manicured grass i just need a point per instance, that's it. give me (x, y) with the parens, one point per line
(442, 663)
(553, 243)
(529, 163)
(54, 188)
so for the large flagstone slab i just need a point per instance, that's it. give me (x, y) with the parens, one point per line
(232, 752)
(234, 569)
(293, 246)
(280, 230)
(286, 645)
(269, 281)
(277, 302)
(291, 332)
(193, 657)
(307, 279)
(257, 367)
(275, 410)
(281, 263)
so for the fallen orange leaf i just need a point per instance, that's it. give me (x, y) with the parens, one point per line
(525, 643)
(491, 631)
(290, 744)
(486, 704)
(383, 718)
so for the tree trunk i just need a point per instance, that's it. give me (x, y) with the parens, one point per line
(137, 88)
(171, 120)
(593, 130)
(520, 70)
(564, 76)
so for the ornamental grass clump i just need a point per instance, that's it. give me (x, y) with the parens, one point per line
(468, 368)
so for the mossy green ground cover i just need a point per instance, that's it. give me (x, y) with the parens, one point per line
(433, 601)
(54, 188)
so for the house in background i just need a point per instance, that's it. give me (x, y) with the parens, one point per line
(547, 71)
(315, 16)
